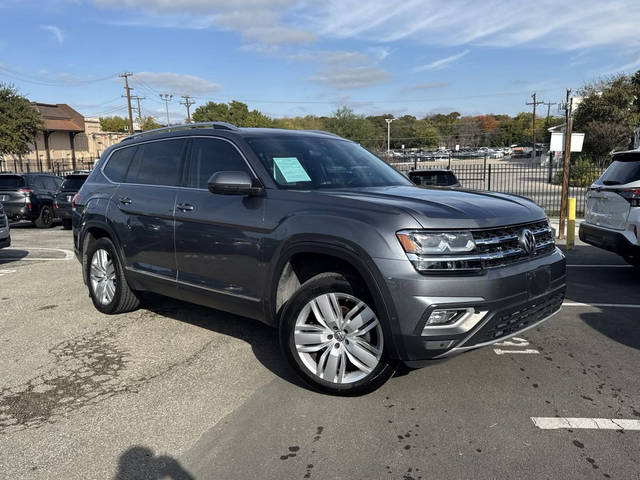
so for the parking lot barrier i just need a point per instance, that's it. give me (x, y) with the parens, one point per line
(571, 223)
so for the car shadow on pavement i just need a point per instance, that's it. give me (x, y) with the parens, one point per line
(620, 328)
(138, 463)
(262, 338)
(11, 255)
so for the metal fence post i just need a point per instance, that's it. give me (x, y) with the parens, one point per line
(489, 178)
(415, 163)
(449, 160)
(550, 166)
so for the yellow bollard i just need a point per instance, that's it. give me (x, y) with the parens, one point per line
(571, 223)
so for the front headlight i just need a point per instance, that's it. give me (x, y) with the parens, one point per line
(436, 243)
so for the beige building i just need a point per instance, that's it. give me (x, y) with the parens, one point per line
(68, 142)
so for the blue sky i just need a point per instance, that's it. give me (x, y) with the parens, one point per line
(294, 57)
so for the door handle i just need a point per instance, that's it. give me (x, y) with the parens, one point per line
(185, 207)
(125, 200)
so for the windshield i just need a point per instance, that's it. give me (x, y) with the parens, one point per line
(9, 182)
(620, 173)
(72, 183)
(312, 163)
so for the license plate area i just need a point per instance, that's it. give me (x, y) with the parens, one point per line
(539, 281)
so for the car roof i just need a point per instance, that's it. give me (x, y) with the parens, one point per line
(222, 129)
(627, 156)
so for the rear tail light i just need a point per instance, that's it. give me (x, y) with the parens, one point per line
(631, 195)
(76, 200)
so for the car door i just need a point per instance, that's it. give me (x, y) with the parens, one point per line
(218, 237)
(145, 200)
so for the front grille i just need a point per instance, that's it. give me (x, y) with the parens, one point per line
(517, 318)
(495, 247)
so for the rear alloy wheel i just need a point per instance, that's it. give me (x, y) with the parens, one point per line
(108, 286)
(334, 338)
(45, 219)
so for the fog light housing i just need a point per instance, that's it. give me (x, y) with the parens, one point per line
(444, 317)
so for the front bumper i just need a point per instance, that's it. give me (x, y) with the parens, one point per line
(614, 241)
(506, 301)
(5, 236)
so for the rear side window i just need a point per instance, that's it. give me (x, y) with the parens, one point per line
(157, 163)
(73, 182)
(620, 173)
(210, 155)
(118, 163)
(10, 182)
(38, 183)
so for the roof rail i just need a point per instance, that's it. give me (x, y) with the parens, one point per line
(184, 126)
(322, 131)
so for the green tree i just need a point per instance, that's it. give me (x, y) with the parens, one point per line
(347, 124)
(19, 122)
(149, 123)
(234, 112)
(114, 124)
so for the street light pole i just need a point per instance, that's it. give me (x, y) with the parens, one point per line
(389, 120)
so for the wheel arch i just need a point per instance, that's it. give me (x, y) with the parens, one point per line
(327, 253)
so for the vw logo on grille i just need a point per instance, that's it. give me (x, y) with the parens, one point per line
(527, 241)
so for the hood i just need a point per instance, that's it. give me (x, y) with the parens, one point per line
(438, 208)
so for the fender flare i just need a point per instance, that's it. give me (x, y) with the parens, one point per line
(350, 253)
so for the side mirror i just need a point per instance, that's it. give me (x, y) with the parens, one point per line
(233, 183)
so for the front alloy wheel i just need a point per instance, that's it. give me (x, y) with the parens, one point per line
(338, 338)
(333, 337)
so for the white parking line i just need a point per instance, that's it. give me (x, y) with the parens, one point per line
(620, 305)
(527, 351)
(6, 272)
(550, 423)
(603, 266)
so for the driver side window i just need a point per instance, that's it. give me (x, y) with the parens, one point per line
(211, 155)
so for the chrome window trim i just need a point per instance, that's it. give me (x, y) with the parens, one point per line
(106, 162)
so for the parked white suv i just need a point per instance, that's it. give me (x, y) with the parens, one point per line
(612, 218)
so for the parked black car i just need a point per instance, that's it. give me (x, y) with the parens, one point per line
(64, 196)
(29, 196)
(436, 177)
(356, 266)
(5, 234)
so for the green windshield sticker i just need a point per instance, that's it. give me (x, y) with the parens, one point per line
(289, 170)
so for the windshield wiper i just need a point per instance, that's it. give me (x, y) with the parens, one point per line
(611, 182)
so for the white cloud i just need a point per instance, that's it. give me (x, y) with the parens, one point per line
(256, 20)
(345, 70)
(575, 24)
(56, 32)
(177, 83)
(443, 62)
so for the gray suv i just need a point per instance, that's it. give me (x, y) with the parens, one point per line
(358, 268)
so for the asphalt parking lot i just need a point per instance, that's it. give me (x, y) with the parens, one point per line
(182, 392)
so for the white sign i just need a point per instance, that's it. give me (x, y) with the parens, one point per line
(457, 148)
(557, 142)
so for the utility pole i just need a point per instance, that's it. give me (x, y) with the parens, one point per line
(137, 99)
(187, 103)
(389, 120)
(166, 97)
(126, 76)
(534, 103)
(568, 109)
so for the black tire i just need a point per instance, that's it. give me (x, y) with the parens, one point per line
(124, 299)
(45, 219)
(633, 260)
(318, 285)
(66, 224)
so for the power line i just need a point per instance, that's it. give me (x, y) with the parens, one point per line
(16, 75)
(187, 103)
(126, 76)
(167, 97)
(533, 126)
